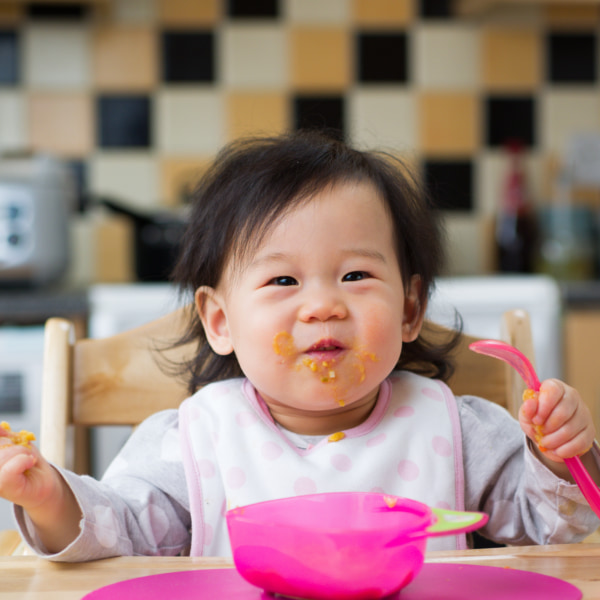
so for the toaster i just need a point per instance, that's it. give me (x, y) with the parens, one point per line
(37, 194)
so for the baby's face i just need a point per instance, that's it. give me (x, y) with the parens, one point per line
(318, 314)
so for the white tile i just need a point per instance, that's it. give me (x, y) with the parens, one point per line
(57, 56)
(469, 250)
(82, 258)
(254, 56)
(128, 176)
(383, 118)
(565, 112)
(13, 120)
(317, 11)
(190, 121)
(446, 56)
(135, 11)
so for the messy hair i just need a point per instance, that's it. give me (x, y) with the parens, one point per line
(255, 182)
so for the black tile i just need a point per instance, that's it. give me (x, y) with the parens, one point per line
(450, 183)
(188, 56)
(510, 118)
(49, 11)
(320, 112)
(571, 57)
(382, 57)
(124, 121)
(9, 57)
(436, 9)
(253, 8)
(80, 175)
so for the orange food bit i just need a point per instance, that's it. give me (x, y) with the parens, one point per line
(538, 432)
(21, 438)
(310, 363)
(336, 437)
(391, 501)
(283, 344)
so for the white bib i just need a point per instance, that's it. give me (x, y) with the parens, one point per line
(234, 454)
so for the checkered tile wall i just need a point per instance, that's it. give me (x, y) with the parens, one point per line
(140, 94)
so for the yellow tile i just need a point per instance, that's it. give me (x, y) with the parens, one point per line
(511, 59)
(449, 123)
(179, 177)
(10, 14)
(61, 123)
(572, 14)
(321, 59)
(125, 58)
(257, 113)
(383, 13)
(114, 251)
(186, 12)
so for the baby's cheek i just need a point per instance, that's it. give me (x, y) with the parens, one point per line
(382, 336)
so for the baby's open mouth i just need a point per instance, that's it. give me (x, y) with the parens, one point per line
(325, 349)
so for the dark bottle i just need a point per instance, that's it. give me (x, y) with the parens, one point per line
(516, 228)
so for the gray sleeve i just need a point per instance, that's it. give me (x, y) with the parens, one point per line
(140, 507)
(525, 501)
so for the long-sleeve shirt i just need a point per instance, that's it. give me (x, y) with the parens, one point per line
(142, 507)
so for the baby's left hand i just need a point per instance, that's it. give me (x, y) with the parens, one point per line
(558, 421)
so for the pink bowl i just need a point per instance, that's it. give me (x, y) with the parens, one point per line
(346, 545)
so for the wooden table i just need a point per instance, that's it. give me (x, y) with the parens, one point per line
(31, 578)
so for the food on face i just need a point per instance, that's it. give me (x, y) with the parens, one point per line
(350, 372)
(283, 344)
(20, 438)
(538, 433)
(310, 363)
(336, 437)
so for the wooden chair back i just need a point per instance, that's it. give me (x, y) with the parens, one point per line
(116, 380)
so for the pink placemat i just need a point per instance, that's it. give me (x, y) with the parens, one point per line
(437, 581)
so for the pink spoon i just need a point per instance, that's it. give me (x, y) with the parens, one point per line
(518, 361)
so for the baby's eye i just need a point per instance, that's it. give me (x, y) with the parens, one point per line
(283, 280)
(355, 276)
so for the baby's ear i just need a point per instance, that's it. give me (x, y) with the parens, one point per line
(414, 310)
(210, 308)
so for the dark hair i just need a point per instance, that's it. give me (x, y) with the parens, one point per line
(253, 182)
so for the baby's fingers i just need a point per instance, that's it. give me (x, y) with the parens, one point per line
(551, 393)
(13, 479)
(574, 437)
(530, 405)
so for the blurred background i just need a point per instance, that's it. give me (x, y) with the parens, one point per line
(138, 95)
(110, 110)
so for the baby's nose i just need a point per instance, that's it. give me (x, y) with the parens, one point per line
(323, 305)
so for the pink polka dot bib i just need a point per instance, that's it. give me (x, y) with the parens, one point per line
(235, 454)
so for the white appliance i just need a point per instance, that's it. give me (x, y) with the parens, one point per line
(21, 353)
(481, 301)
(37, 193)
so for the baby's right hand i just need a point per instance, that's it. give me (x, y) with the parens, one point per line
(26, 478)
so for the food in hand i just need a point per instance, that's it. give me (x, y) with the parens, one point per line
(538, 434)
(20, 438)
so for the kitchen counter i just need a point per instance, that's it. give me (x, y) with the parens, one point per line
(581, 294)
(36, 305)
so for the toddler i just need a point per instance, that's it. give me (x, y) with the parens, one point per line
(311, 264)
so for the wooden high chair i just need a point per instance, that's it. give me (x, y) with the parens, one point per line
(116, 380)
